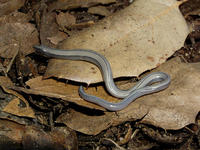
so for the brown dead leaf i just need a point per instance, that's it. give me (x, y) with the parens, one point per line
(68, 4)
(173, 108)
(82, 25)
(92, 124)
(15, 17)
(13, 132)
(65, 20)
(16, 104)
(17, 37)
(5, 82)
(136, 39)
(26, 67)
(19, 107)
(49, 30)
(20, 120)
(60, 138)
(88, 123)
(8, 6)
(99, 10)
(59, 37)
(68, 92)
(32, 137)
(190, 7)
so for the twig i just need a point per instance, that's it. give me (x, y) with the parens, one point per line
(134, 133)
(12, 60)
(121, 148)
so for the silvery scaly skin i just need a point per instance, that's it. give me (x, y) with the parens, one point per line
(144, 86)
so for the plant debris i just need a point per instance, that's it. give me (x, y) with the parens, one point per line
(40, 105)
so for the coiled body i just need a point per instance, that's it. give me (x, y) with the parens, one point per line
(144, 86)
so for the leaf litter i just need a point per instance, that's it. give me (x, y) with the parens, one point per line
(15, 104)
(143, 39)
(28, 137)
(171, 109)
(170, 102)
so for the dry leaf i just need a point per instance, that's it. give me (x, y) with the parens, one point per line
(5, 82)
(15, 17)
(18, 119)
(173, 108)
(99, 10)
(190, 7)
(92, 124)
(16, 104)
(68, 92)
(59, 37)
(68, 4)
(19, 107)
(8, 6)
(49, 30)
(82, 25)
(65, 20)
(134, 40)
(60, 138)
(32, 137)
(17, 37)
(88, 123)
